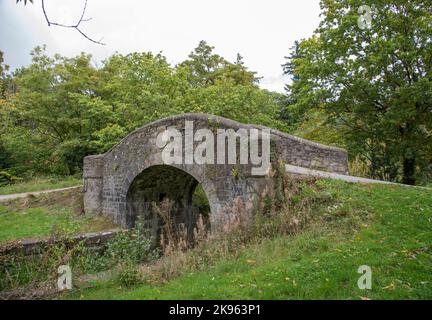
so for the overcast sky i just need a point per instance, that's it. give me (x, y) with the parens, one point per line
(262, 31)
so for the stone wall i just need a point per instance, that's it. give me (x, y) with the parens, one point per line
(93, 184)
(31, 247)
(122, 182)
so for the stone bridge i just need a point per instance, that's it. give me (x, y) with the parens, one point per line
(124, 182)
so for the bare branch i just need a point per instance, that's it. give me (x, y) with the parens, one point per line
(75, 26)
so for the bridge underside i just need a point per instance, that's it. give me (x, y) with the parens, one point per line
(159, 195)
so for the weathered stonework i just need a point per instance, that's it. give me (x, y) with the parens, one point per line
(93, 179)
(123, 182)
(34, 247)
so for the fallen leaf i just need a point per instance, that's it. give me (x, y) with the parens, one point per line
(391, 286)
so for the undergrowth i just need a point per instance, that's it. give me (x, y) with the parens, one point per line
(285, 210)
(35, 276)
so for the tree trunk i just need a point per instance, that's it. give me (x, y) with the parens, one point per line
(408, 171)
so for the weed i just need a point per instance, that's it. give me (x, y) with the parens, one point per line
(126, 249)
(128, 274)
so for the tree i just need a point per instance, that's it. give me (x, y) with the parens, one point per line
(375, 83)
(66, 108)
(3, 69)
(55, 113)
(142, 87)
(4, 154)
(293, 113)
(206, 68)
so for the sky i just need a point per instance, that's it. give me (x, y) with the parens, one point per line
(262, 31)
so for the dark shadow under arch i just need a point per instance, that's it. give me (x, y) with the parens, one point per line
(155, 185)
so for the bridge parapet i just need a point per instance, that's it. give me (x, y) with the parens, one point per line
(122, 182)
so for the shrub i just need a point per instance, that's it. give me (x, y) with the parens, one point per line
(128, 274)
(6, 178)
(20, 274)
(24, 276)
(285, 210)
(134, 246)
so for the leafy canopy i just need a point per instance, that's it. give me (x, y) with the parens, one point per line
(62, 109)
(374, 83)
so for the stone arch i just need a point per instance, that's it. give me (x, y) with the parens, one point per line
(160, 182)
(108, 177)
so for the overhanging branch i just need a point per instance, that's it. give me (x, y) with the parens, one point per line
(74, 26)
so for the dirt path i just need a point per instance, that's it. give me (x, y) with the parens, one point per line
(7, 197)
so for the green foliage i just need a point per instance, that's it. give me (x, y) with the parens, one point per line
(385, 227)
(20, 271)
(128, 275)
(200, 201)
(123, 252)
(374, 85)
(134, 246)
(40, 183)
(206, 68)
(4, 157)
(3, 68)
(293, 112)
(45, 215)
(6, 178)
(316, 126)
(63, 109)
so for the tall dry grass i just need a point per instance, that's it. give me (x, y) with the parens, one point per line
(285, 210)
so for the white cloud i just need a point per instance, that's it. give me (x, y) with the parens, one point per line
(262, 31)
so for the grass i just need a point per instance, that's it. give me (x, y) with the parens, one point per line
(388, 228)
(40, 184)
(35, 217)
